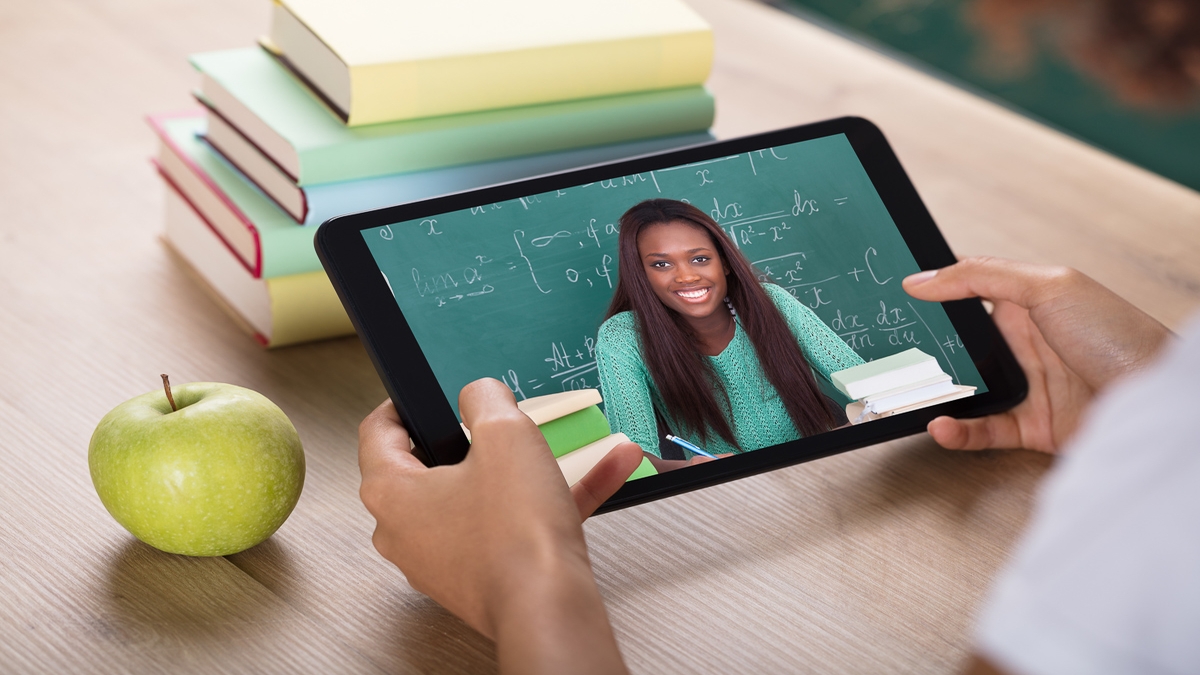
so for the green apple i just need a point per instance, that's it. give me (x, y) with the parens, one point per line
(213, 470)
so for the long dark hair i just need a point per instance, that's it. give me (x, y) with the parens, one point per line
(684, 378)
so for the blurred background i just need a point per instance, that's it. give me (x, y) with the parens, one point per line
(1026, 55)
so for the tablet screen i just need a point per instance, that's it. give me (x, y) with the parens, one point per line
(523, 291)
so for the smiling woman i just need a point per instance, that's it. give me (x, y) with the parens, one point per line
(696, 345)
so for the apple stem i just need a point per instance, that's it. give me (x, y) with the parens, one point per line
(167, 387)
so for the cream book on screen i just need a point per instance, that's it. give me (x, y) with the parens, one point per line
(576, 431)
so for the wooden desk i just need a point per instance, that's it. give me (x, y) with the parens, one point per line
(873, 561)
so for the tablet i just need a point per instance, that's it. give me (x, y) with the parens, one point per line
(517, 282)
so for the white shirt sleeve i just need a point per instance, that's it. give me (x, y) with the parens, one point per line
(1107, 578)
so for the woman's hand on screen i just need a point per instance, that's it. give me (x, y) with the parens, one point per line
(1071, 335)
(497, 538)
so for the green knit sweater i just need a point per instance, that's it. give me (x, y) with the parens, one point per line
(759, 417)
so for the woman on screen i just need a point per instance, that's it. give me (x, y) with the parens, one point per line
(695, 345)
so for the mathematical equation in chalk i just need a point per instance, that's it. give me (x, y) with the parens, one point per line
(538, 258)
(567, 368)
(747, 228)
(583, 258)
(454, 285)
(788, 270)
(893, 325)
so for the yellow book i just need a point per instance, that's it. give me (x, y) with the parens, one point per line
(378, 61)
(277, 311)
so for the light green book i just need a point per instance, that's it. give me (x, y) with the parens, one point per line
(266, 241)
(890, 372)
(258, 97)
(575, 430)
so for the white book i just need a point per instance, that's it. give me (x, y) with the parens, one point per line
(960, 391)
(925, 390)
(858, 414)
(884, 374)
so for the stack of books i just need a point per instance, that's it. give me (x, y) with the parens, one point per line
(351, 105)
(576, 431)
(894, 384)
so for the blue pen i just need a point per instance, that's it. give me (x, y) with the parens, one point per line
(690, 446)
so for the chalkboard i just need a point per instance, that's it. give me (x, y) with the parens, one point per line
(516, 290)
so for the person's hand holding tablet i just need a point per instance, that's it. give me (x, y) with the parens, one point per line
(497, 538)
(1071, 335)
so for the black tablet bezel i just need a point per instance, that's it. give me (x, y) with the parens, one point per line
(432, 423)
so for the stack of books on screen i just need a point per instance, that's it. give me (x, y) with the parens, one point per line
(351, 105)
(577, 432)
(894, 384)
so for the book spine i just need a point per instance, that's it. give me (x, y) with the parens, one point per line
(304, 308)
(447, 86)
(503, 134)
(281, 248)
(213, 194)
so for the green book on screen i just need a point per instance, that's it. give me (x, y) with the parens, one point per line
(575, 430)
(566, 419)
(644, 469)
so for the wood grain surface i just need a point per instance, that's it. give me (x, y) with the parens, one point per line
(872, 561)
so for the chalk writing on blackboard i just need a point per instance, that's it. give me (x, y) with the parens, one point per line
(806, 207)
(517, 236)
(871, 252)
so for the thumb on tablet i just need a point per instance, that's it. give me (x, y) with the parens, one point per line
(489, 401)
(1024, 284)
(604, 479)
(503, 437)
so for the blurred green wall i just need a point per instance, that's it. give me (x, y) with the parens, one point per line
(936, 33)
